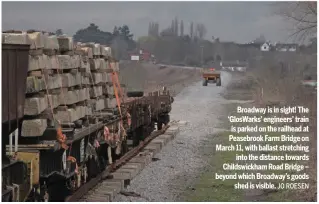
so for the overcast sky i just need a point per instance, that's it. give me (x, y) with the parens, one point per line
(230, 21)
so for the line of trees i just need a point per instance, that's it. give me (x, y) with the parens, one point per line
(185, 42)
(173, 45)
(177, 29)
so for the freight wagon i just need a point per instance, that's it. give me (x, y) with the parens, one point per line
(66, 156)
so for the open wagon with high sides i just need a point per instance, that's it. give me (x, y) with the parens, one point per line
(75, 121)
(15, 181)
(211, 76)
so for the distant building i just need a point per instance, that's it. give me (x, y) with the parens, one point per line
(141, 55)
(286, 47)
(265, 47)
(135, 57)
(250, 45)
(234, 66)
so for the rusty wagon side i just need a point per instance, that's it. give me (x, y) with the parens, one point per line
(15, 62)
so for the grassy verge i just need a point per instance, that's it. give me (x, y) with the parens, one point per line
(282, 195)
(207, 188)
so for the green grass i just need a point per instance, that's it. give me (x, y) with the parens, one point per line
(207, 188)
(280, 196)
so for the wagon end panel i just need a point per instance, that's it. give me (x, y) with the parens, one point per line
(15, 61)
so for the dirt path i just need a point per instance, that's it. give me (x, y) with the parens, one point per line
(206, 187)
(181, 162)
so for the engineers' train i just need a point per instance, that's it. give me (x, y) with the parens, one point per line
(65, 157)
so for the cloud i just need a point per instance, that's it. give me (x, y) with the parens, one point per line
(230, 21)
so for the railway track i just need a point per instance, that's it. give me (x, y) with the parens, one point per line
(117, 176)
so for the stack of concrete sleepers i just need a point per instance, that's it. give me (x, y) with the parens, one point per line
(67, 83)
(54, 89)
(75, 91)
(99, 74)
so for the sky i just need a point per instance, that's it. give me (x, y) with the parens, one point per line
(239, 22)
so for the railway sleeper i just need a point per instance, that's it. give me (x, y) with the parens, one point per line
(154, 148)
(137, 168)
(165, 137)
(117, 184)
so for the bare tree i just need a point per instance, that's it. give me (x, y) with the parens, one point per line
(153, 29)
(150, 29)
(182, 28)
(191, 30)
(201, 30)
(303, 14)
(157, 29)
(173, 26)
(176, 26)
(196, 34)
